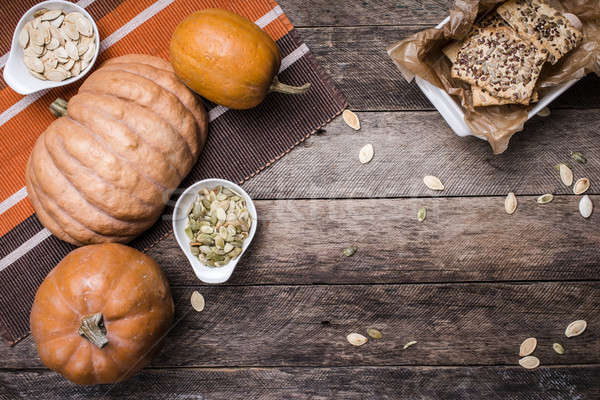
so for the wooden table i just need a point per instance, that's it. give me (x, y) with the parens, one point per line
(469, 284)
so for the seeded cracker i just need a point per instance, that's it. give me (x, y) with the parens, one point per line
(541, 24)
(497, 60)
(481, 97)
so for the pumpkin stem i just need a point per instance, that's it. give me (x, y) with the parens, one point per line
(92, 328)
(59, 107)
(279, 87)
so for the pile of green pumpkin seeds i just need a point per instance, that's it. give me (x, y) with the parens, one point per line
(218, 224)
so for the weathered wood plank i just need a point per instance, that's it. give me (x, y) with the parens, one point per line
(353, 13)
(409, 146)
(357, 60)
(458, 324)
(463, 239)
(557, 383)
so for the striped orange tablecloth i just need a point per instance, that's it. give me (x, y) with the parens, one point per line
(240, 143)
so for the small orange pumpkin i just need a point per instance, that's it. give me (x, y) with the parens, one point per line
(101, 313)
(227, 59)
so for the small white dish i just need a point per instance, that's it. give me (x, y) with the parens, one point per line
(180, 221)
(16, 74)
(452, 111)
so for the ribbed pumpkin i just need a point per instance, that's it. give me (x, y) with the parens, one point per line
(227, 59)
(101, 314)
(104, 172)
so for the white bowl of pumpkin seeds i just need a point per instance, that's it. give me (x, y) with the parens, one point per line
(214, 222)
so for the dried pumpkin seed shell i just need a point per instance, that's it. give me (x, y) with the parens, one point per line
(50, 15)
(356, 339)
(23, 38)
(575, 328)
(197, 301)
(366, 153)
(527, 347)
(34, 64)
(351, 119)
(529, 362)
(510, 203)
(433, 182)
(566, 175)
(411, 343)
(57, 22)
(581, 186)
(586, 207)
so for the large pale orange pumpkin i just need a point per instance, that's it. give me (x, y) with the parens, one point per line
(101, 313)
(227, 59)
(104, 172)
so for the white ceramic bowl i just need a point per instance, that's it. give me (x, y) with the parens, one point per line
(452, 111)
(182, 209)
(16, 74)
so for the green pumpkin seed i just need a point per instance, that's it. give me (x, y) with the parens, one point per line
(421, 214)
(558, 348)
(349, 251)
(374, 333)
(218, 224)
(545, 198)
(577, 156)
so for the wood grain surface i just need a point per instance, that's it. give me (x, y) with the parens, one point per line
(469, 283)
(302, 241)
(411, 145)
(432, 383)
(454, 324)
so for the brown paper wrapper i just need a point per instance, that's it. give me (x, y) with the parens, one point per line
(421, 55)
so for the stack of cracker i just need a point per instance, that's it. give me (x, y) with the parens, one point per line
(503, 55)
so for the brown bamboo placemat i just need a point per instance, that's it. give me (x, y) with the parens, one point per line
(240, 143)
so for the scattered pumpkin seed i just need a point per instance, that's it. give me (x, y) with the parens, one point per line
(374, 333)
(351, 119)
(197, 301)
(586, 207)
(218, 224)
(558, 348)
(527, 347)
(366, 153)
(575, 328)
(545, 198)
(421, 214)
(529, 362)
(510, 203)
(407, 345)
(433, 182)
(566, 175)
(356, 339)
(349, 251)
(544, 112)
(577, 156)
(581, 186)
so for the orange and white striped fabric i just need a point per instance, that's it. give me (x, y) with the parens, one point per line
(145, 26)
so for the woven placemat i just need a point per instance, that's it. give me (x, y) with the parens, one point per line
(240, 143)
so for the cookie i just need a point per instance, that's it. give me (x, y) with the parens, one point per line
(481, 98)
(542, 25)
(498, 60)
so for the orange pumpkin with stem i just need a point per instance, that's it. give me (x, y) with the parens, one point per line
(227, 59)
(101, 314)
